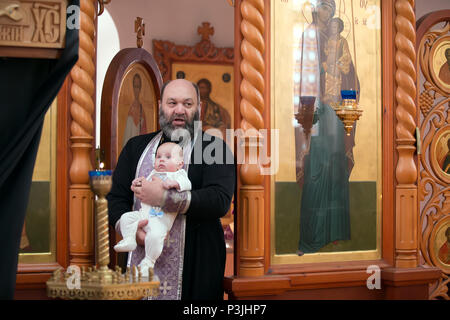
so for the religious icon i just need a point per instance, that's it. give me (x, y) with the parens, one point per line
(324, 153)
(327, 190)
(215, 83)
(443, 153)
(439, 62)
(38, 236)
(137, 105)
(444, 250)
(444, 71)
(440, 244)
(440, 153)
(338, 60)
(135, 121)
(213, 115)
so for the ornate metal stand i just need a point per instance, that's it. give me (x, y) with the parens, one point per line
(348, 110)
(102, 283)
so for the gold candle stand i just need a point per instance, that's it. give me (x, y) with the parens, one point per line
(348, 110)
(100, 282)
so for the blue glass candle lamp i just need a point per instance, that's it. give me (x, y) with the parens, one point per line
(348, 110)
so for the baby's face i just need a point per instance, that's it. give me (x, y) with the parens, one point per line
(334, 27)
(168, 158)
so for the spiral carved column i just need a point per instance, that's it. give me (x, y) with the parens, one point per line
(406, 245)
(81, 210)
(251, 193)
(102, 233)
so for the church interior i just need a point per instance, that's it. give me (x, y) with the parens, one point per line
(341, 123)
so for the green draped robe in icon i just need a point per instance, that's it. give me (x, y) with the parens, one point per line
(324, 215)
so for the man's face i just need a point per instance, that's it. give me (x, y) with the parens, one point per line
(136, 86)
(179, 107)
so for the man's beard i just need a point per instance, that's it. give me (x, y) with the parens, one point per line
(177, 133)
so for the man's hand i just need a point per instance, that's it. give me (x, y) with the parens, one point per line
(171, 184)
(140, 233)
(150, 192)
(137, 182)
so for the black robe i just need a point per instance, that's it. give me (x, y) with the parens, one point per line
(213, 187)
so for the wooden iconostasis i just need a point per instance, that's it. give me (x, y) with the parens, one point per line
(398, 208)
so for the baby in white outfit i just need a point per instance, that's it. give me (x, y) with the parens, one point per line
(169, 168)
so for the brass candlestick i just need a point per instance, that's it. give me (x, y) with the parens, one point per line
(100, 282)
(348, 110)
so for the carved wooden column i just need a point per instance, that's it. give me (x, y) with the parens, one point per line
(251, 192)
(81, 205)
(406, 242)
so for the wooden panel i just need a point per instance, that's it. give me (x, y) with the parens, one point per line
(344, 279)
(406, 169)
(251, 105)
(32, 29)
(81, 206)
(433, 97)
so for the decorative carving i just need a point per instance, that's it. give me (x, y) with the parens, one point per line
(166, 52)
(406, 171)
(11, 9)
(101, 6)
(38, 24)
(406, 90)
(431, 41)
(426, 102)
(139, 28)
(95, 286)
(252, 87)
(81, 128)
(252, 65)
(433, 187)
(205, 31)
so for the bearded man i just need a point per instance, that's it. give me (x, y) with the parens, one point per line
(192, 264)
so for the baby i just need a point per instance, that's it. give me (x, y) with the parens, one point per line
(338, 61)
(169, 168)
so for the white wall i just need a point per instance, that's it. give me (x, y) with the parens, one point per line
(108, 44)
(174, 20)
